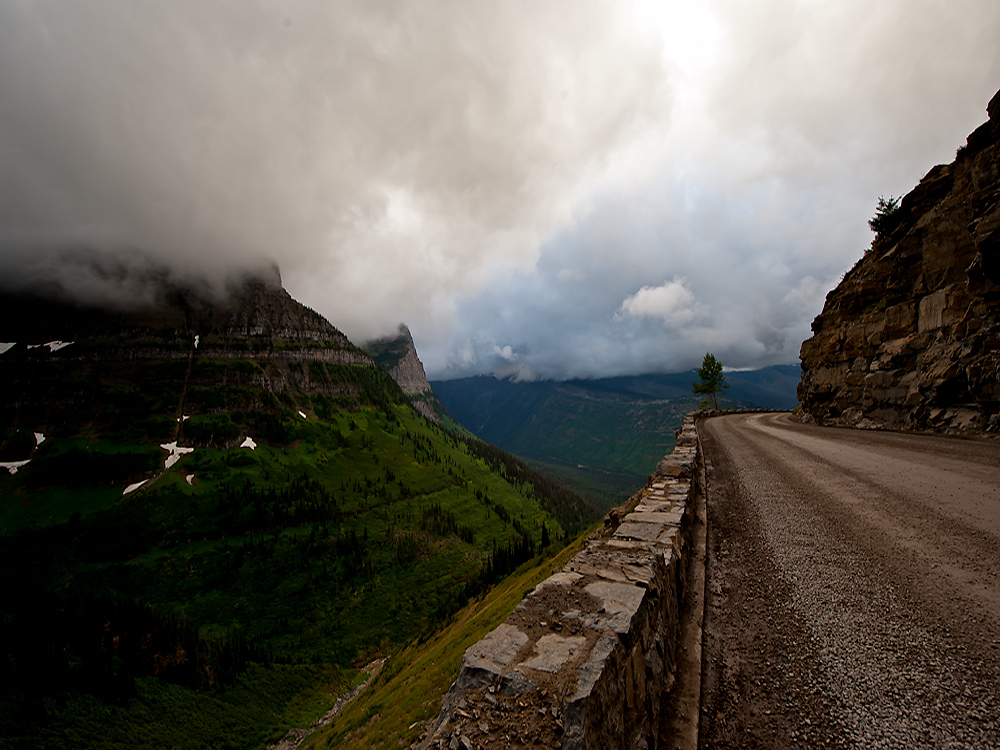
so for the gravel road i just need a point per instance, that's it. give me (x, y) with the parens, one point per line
(853, 597)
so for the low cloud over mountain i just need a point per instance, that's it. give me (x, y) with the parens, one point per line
(611, 188)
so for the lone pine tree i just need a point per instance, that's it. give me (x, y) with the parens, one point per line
(711, 382)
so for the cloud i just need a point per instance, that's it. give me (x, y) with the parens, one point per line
(556, 179)
(672, 302)
(384, 154)
(504, 353)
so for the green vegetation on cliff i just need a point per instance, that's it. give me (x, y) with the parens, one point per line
(231, 596)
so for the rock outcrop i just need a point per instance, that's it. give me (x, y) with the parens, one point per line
(397, 355)
(910, 338)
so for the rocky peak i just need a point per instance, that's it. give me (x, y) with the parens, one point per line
(910, 338)
(397, 355)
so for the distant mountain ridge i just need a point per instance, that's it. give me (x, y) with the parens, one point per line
(610, 427)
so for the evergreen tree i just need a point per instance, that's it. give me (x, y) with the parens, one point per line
(711, 382)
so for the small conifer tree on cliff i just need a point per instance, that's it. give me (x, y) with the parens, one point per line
(886, 216)
(711, 382)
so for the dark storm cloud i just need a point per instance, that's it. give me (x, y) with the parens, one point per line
(551, 189)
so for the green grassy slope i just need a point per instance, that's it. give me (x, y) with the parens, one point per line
(227, 599)
(391, 712)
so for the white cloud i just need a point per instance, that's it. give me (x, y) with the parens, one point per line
(672, 302)
(505, 353)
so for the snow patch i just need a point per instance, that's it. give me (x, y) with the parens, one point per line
(133, 487)
(176, 453)
(249, 443)
(190, 480)
(303, 415)
(4, 346)
(53, 346)
(12, 466)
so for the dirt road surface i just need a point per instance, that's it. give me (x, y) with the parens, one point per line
(853, 595)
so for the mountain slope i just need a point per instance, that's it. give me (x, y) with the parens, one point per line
(226, 497)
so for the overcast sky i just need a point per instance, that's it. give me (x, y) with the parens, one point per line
(540, 189)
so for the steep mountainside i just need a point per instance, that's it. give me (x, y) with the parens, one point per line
(78, 368)
(910, 339)
(213, 507)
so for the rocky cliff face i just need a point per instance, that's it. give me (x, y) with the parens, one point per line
(186, 351)
(910, 338)
(255, 318)
(397, 355)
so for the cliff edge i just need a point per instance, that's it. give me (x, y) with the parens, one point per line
(910, 338)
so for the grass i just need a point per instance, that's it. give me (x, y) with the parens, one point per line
(352, 604)
(391, 712)
(322, 551)
(51, 507)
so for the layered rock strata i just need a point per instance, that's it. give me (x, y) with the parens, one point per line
(586, 657)
(254, 319)
(910, 338)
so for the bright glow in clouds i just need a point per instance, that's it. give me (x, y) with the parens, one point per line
(690, 33)
(540, 189)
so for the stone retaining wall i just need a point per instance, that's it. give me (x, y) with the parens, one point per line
(585, 659)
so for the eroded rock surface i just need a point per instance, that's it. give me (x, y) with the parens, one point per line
(910, 339)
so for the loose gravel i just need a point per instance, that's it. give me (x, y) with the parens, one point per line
(852, 588)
